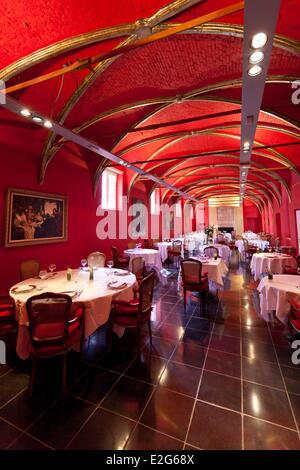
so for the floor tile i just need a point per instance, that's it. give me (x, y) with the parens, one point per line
(181, 378)
(190, 354)
(224, 363)
(260, 435)
(147, 368)
(144, 438)
(262, 372)
(168, 412)
(11, 384)
(8, 434)
(28, 443)
(225, 344)
(94, 385)
(221, 390)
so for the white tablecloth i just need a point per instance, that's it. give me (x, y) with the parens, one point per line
(261, 244)
(224, 251)
(151, 257)
(163, 249)
(95, 296)
(275, 295)
(264, 262)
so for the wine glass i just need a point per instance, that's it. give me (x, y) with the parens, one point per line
(298, 271)
(43, 274)
(52, 267)
(83, 262)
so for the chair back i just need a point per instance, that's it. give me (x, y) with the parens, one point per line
(277, 242)
(191, 270)
(246, 244)
(211, 251)
(115, 255)
(220, 237)
(288, 250)
(295, 309)
(149, 243)
(29, 268)
(48, 315)
(96, 260)
(298, 261)
(138, 266)
(146, 295)
(176, 246)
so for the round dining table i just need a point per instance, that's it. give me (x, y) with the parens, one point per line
(274, 262)
(95, 295)
(152, 257)
(276, 294)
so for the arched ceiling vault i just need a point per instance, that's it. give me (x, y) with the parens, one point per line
(114, 122)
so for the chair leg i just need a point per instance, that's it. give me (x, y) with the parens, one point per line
(138, 334)
(32, 375)
(64, 373)
(150, 331)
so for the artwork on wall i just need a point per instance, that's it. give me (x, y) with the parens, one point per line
(225, 216)
(34, 218)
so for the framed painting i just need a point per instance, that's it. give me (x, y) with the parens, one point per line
(34, 218)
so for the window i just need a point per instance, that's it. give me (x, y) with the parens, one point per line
(178, 209)
(109, 194)
(154, 202)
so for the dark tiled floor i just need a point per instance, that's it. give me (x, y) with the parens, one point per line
(220, 381)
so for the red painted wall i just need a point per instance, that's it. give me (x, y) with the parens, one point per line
(252, 218)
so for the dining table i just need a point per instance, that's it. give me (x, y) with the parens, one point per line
(224, 251)
(275, 295)
(270, 262)
(216, 270)
(163, 247)
(95, 295)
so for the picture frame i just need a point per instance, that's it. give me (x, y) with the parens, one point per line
(34, 218)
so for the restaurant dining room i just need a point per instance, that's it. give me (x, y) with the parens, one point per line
(150, 229)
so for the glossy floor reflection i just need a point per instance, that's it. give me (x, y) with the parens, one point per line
(220, 381)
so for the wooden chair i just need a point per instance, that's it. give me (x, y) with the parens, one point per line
(121, 263)
(211, 251)
(192, 278)
(135, 313)
(294, 319)
(288, 250)
(52, 329)
(175, 250)
(96, 260)
(138, 269)
(7, 315)
(29, 268)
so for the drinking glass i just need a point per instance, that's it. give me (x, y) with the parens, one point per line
(298, 271)
(52, 267)
(43, 274)
(110, 264)
(83, 263)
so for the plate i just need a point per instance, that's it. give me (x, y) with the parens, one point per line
(70, 293)
(117, 285)
(22, 289)
(121, 273)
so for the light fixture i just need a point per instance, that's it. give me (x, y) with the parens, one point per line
(25, 112)
(48, 124)
(256, 57)
(255, 70)
(37, 119)
(246, 147)
(259, 40)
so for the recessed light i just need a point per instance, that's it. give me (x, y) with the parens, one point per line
(259, 40)
(25, 112)
(255, 70)
(256, 57)
(48, 124)
(37, 119)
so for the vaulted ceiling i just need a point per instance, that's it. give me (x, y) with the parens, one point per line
(172, 107)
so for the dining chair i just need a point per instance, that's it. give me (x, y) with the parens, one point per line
(294, 319)
(135, 313)
(149, 243)
(291, 269)
(249, 250)
(7, 315)
(131, 245)
(211, 251)
(29, 268)
(138, 269)
(174, 251)
(288, 250)
(53, 329)
(221, 239)
(96, 260)
(192, 278)
(118, 261)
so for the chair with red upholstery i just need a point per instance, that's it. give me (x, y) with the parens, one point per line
(192, 278)
(138, 269)
(293, 270)
(120, 263)
(53, 329)
(175, 250)
(294, 318)
(7, 315)
(288, 250)
(135, 313)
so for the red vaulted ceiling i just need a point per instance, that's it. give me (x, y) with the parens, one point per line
(194, 76)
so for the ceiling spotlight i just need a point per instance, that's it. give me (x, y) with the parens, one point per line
(37, 119)
(259, 40)
(255, 70)
(246, 147)
(48, 124)
(256, 57)
(25, 112)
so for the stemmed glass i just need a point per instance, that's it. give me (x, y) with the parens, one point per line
(42, 275)
(52, 267)
(83, 263)
(110, 264)
(298, 271)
